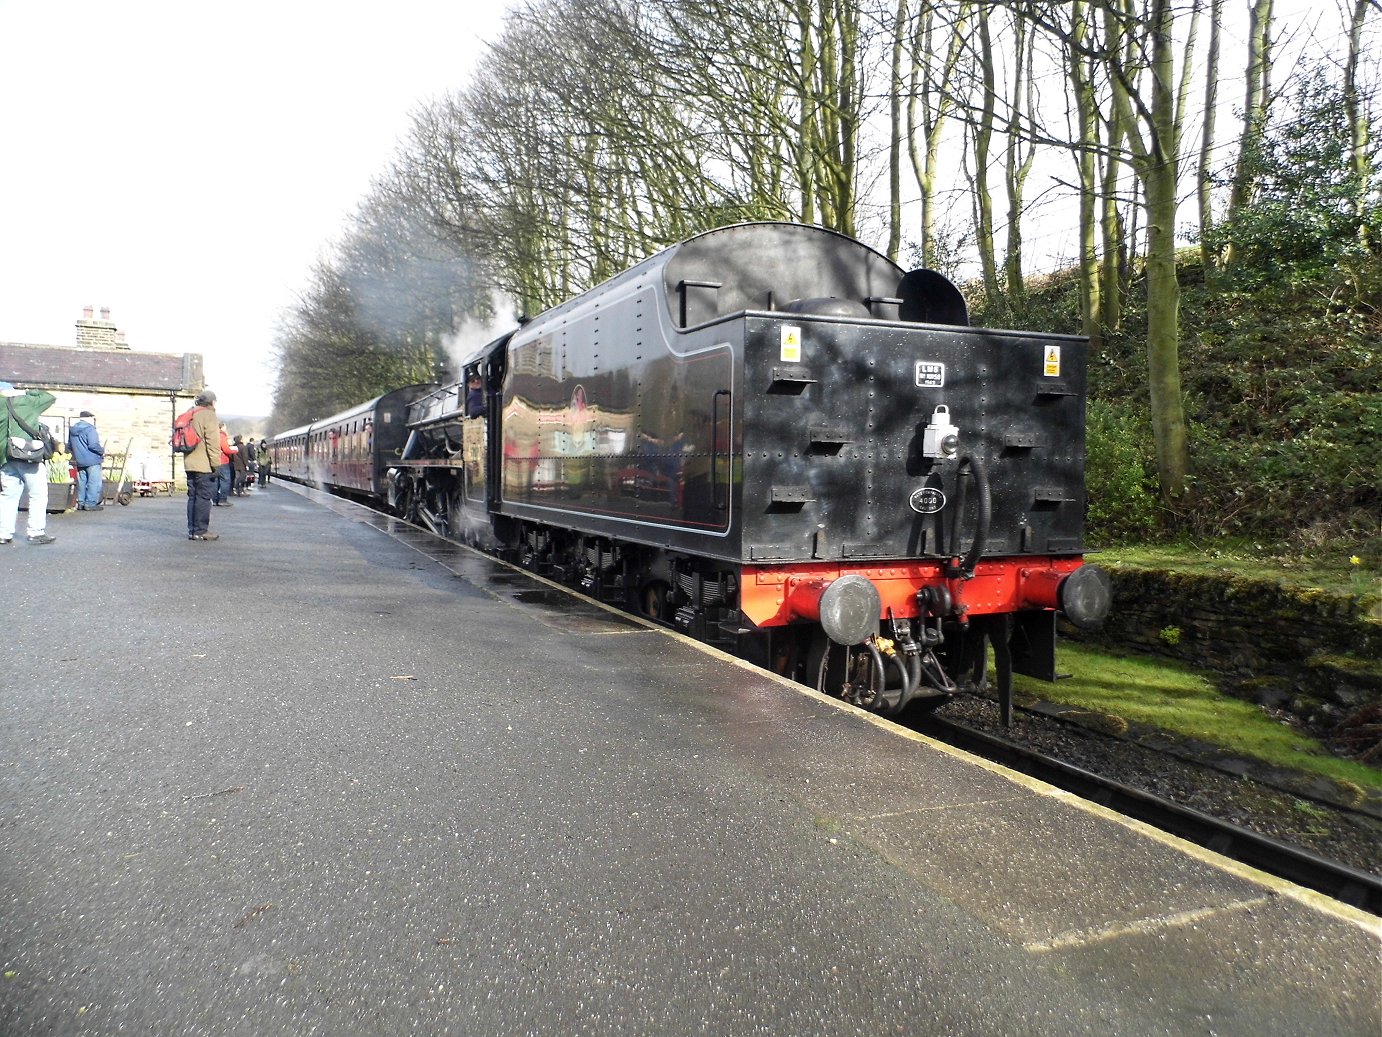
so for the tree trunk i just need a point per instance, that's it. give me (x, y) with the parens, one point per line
(983, 136)
(1358, 117)
(895, 85)
(1255, 107)
(1086, 156)
(1203, 174)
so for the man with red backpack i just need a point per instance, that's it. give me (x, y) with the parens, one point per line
(200, 466)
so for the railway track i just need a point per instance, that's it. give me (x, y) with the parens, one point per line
(1346, 884)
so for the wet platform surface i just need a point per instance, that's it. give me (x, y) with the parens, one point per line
(332, 775)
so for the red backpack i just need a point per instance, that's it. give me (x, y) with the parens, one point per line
(185, 438)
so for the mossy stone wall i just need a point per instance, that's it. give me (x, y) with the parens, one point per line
(1315, 655)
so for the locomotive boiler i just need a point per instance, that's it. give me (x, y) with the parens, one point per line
(778, 441)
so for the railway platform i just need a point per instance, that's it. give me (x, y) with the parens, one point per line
(330, 774)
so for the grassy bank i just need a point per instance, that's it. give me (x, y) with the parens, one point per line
(1338, 569)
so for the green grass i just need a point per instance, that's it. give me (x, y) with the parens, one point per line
(1182, 701)
(1333, 571)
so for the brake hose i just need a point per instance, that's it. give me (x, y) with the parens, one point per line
(981, 532)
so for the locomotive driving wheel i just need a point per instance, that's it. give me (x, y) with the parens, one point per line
(406, 500)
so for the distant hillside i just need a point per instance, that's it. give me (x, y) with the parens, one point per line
(246, 425)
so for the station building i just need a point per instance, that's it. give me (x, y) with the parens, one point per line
(135, 395)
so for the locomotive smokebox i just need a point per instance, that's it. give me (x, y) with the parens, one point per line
(847, 607)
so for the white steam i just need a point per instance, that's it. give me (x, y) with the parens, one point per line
(473, 333)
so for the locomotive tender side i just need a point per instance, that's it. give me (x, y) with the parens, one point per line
(775, 438)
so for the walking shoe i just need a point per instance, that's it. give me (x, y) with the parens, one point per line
(42, 538)
(203, 536)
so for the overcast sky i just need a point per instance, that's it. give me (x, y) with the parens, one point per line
(185, 164)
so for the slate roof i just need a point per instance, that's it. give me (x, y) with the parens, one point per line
(75, 367)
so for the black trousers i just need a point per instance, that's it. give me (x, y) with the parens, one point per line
(200, 487)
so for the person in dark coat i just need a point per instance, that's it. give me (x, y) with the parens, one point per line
(84, 443)
(474, 396)
(239, 467)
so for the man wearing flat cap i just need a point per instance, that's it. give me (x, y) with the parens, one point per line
(200, 467)
(84, 444)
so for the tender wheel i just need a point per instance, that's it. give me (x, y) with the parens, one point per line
(843, 672)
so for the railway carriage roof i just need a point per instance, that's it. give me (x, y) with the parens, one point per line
(402, 395)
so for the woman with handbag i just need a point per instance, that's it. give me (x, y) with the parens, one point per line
(22, 463)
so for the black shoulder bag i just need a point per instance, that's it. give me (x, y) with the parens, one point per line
(36, 446)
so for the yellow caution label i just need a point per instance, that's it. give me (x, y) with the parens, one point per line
(791, 344)
(1052, 365)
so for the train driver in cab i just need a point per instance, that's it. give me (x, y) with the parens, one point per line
(474, 396)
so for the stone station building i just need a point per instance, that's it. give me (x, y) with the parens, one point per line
(135, 395)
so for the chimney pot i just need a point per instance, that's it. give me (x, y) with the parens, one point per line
(87, 312)
(105, 313)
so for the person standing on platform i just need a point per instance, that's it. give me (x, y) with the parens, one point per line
(87, 454)
(266, 463)
(225, 478)
(60, 477)
(201, 466)
(239, 470)
(22, 407)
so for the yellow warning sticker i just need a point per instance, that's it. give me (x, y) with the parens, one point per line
(1052, 366)
(791, 344)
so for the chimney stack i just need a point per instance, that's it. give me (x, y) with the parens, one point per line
(98, 334)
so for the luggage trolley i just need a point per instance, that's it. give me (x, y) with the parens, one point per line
(115, 485)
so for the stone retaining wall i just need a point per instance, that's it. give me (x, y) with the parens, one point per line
(1314, 655)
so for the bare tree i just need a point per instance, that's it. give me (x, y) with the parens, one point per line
(1357, 113)
(1204, 178)
(1256, 105)
(937, 46)
(1150, 107)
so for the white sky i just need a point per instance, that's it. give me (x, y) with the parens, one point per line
(185, 164)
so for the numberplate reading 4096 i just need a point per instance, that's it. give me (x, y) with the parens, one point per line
(930, 374)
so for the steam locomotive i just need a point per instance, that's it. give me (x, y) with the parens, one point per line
(775, 440)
